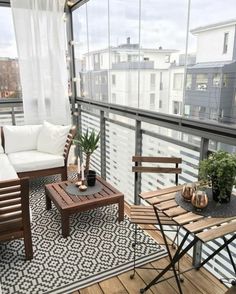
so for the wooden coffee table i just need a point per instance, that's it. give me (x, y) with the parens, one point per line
(69, 204)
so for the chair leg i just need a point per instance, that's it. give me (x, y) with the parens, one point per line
(28, 245)
(134, 245)
(64, 174)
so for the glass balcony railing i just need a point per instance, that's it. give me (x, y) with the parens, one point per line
(128, 131)
(11, 112)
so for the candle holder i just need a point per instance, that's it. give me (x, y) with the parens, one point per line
(83, 187)
(79, 182)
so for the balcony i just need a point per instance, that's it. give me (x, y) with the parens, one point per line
(126, 93)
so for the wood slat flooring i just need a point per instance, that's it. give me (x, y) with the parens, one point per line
(197, 282)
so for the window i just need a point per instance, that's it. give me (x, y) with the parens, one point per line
(10, 86)
(216, 80)
(104, 79)
(113, 98)
(201, 82)
(152, 81)
(225, 80)
(177, 107)
(161, 83)
(113, 77)
(160, 103)
(226, 40)
(188, 82)
(167, 58)
(146, 58)
(178, 81)
(152, 99)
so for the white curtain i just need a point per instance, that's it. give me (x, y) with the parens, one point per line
(40, 37)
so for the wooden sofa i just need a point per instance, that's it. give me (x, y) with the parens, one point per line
(62, 170)
(14, 192)
(14, 213)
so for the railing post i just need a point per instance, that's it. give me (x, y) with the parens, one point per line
(138, 151)
(78, 123)
(204, 147)
(13, 118)
(103, 143)
(197, 250)
(71, 55)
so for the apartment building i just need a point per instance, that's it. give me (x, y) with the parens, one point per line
(9, 78)
(211, 82)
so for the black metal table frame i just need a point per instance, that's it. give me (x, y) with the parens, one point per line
(180, 252)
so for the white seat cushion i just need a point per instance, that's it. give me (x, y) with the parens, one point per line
(34, 160)
(52, 138)
(7, 171)
(21, 138)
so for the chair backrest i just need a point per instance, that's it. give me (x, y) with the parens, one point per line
(14, 212)
(161, 168)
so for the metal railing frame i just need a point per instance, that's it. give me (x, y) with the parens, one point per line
(205, 130)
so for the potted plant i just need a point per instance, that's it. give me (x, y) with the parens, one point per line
(88, 143)
(220, 170)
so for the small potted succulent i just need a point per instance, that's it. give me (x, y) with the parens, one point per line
(220, 170)
(88, 143)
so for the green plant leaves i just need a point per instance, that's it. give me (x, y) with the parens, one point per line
(220, 166)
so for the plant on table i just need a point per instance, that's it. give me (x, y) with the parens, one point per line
(88, 142)
(220, 170)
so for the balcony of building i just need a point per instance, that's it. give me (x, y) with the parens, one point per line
(135, 98)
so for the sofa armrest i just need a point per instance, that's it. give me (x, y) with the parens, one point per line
(68, 144)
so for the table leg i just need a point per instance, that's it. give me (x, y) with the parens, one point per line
(121, 209)
(48, 202)
(65, 222)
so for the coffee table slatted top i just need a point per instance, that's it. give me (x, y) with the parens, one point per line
(66, 200)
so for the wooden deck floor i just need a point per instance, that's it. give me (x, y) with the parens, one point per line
(194, 281)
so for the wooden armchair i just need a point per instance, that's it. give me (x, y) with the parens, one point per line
(14, 213)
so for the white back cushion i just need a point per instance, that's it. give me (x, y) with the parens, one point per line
(21, 138)
(52, 138)
(1, 148)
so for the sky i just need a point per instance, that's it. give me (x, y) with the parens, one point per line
(163, 23)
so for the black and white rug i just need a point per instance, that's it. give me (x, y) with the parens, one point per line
(98, 247)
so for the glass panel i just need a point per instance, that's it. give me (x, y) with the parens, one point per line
(124, 52)
(10, 86)
(91, 122)
(82, 62)
(118, 162)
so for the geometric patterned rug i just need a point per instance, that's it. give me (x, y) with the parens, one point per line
(98, 247)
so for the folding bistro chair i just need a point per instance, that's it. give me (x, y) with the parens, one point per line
(145, 214)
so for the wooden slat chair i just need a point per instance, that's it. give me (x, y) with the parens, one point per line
(14, 213)
(143, 214)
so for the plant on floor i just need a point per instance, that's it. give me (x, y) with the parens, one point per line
(88, 142)
(220, 170)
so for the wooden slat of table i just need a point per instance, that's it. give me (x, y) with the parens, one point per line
(175, 211)
(215, 233)
(206, 223)
(60, 191)
(187, 217)
(166, 205)
(147, 195)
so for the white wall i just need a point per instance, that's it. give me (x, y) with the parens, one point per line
(210, 44)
